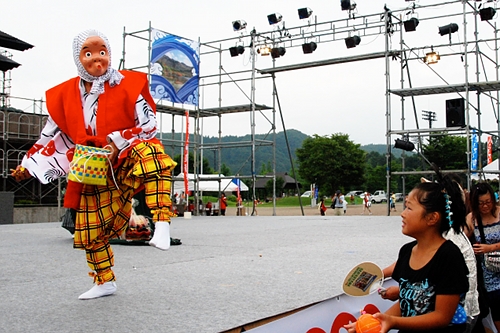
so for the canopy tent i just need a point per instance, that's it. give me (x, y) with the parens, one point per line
(209, 183)
(11, 42)
(493, 166)
(7, 64)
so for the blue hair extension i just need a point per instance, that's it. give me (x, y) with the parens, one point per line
(449, 213)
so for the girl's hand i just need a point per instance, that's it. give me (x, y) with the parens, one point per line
(20, 173)
(385, 320)
(351, 328)
(481, 248)
(391, 293)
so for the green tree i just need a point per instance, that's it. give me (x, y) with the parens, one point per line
(279, 187)
(225, 170)
(447, 151)
(374, 159)
(332, 162)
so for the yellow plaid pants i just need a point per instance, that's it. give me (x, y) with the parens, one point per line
(105, 210)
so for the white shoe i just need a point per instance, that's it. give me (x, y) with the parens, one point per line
(161, 237)
(99, 290)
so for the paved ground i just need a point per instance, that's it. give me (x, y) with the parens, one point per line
(376, 209)
(229, 271)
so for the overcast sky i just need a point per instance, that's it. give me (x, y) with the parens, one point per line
(348, 98)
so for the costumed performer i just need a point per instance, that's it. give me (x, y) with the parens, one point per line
(103, 107)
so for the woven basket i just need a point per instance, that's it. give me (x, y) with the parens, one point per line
(89, 165)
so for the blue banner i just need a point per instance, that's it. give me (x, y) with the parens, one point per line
(474, 151)
(175, 68)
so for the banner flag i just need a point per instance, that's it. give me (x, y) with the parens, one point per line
(175, 64)
(238, 189)
(490, 150)
(474, 149)
(185, 163)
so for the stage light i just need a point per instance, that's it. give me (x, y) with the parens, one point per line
(403, 144)
(305, 13)
(236, 50)
(309, 47)
(448, 29)
(431, 58)
(487, 13)
(239, 25)
(411, 24)
(346, 5)
(264, 50)
(278, 52)
(274, 18)
(351, 42)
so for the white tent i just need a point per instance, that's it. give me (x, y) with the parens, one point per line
(493, 166)
(208, 183)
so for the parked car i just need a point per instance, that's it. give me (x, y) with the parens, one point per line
(355, 193)
(306, 194)
(379, 196)
(399, 196)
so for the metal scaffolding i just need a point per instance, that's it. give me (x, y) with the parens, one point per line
(227, 88)
(479, 76)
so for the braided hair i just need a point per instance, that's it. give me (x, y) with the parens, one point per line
(444, 196)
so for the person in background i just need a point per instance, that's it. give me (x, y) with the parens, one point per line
(431, 271)
(485, 215)
(103, 107)
(208, 208)
(367, 203)
(344, 206)
(338, 202)
(223, 204)
(393, 201)
(322, 207)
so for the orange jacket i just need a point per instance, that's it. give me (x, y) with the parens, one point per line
(223, 203)
(116, 107)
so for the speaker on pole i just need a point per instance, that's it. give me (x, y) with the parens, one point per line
(455, 112)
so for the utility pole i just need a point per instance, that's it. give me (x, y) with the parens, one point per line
(430, 116)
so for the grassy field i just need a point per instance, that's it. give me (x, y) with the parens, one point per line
(281, 202)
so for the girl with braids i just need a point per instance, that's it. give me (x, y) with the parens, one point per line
(103, 107)
(485, 215)
(430, 270)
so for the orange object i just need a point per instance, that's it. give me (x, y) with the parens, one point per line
(367, 324)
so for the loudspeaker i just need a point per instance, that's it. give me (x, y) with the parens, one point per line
(455, 112)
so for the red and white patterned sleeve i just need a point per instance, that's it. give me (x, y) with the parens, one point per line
(145, 126)
(49, 157)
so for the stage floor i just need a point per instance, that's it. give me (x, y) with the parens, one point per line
(229, 271)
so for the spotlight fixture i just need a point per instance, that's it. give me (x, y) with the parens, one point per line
(403, 144)
(411, 24)
(278, 52)
(351, 42)
(239, 25)
(487, 13)
(264, 50)
(309, 47)
(305, 13)
(347, 5)
(448, 29)
(236, 50)
(274, 18)
(431, 58)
